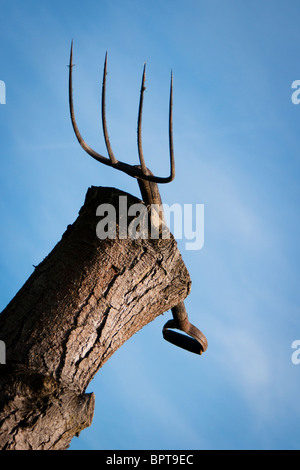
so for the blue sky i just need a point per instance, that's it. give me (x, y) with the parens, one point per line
(236, 137)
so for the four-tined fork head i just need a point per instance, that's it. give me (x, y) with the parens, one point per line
(140, 171)
(195, 341)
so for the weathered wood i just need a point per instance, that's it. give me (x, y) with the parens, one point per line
(82, 302)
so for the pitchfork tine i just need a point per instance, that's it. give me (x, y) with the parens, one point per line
(80, 139)
(172, 160)
(107, 142)
(140, 148)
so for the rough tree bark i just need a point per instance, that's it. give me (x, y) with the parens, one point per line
(82, 302)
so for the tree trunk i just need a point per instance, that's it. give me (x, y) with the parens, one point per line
(82, 302)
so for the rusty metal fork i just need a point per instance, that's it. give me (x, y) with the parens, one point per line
(193, 340)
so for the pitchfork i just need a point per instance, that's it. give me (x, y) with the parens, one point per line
(194, 340)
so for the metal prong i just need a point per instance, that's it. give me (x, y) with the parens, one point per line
(172, 159)
(106, 138)
(139, 129)
(80, 139)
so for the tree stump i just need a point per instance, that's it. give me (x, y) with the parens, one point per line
(82, 302)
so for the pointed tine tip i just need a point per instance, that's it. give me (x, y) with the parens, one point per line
(143, 78)
(71, 55)
(105, 70)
